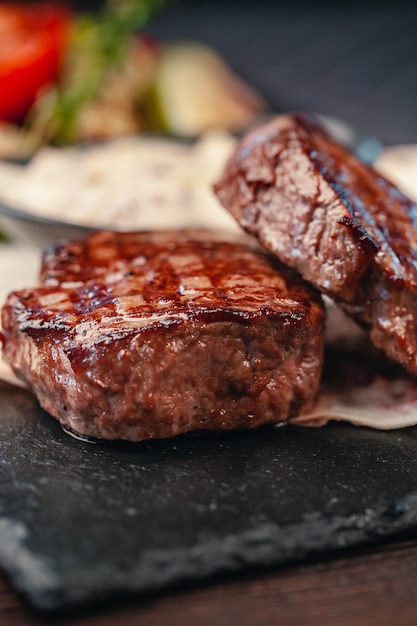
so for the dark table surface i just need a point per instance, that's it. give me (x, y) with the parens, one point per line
(356, 61)
(366, 588)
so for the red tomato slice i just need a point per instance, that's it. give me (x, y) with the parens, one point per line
(33, 39)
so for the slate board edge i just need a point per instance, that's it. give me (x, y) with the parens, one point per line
(266, 546)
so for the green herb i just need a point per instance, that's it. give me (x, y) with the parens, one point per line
(98, 45)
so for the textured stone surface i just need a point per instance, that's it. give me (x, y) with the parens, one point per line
(83, 521)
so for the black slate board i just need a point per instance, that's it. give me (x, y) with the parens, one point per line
(80, 522)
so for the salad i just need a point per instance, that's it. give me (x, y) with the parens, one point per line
(70, 78)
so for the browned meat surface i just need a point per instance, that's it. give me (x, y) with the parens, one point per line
(332, 218)
(138, 336)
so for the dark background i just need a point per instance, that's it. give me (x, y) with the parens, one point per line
(352, 60)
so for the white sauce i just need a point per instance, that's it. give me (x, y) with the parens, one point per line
(132, 183)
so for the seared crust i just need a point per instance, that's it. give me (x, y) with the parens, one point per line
(336, 221)
(137, 336)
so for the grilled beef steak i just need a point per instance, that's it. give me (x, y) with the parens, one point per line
(332, 218)
(137, 336)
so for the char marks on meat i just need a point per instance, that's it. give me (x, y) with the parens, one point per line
(335, 220)
(146, 335)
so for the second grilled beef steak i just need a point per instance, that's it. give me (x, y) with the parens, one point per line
(137, 336)
(335, 220)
